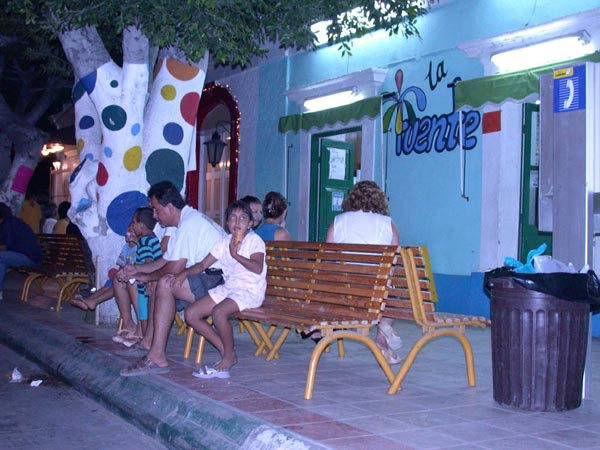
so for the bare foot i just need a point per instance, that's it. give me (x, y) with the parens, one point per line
(226, 363)
(80, 303)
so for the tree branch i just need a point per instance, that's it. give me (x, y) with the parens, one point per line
(84, 50)
(136, 48)
(50, 94)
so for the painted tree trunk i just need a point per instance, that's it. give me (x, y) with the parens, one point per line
(5, 145)
(130, 135)
(29, 141)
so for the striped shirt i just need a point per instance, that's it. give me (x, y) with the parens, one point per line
(148, 249)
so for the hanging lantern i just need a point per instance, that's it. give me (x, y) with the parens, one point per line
(214, 149)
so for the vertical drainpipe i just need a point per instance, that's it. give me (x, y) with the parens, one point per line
(286, 156)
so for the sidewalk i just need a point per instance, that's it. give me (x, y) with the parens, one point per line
(55, 416)
(262, 405)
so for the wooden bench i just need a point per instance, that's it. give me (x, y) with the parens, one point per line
(336, 289)
(412, 296)
(66, 260)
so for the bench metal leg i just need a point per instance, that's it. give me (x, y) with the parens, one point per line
(265, 340)
(274, 352)
(416, 348)
(68, 287)
(32, 278)
(325, 342)
(189, 342)
(181, 325)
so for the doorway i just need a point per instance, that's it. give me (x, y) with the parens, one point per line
(210, 189)
(529, 235)
(335, 167)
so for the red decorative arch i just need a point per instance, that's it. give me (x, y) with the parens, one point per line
(213, 95)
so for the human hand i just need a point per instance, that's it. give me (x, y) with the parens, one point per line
(141, 277)
(127, 270)
(234, 247)
(122, 275)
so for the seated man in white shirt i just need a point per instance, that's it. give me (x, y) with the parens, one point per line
(192, 239)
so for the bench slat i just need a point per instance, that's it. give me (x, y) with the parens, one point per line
(312, 285)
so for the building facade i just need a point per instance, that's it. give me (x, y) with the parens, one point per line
(462, 179)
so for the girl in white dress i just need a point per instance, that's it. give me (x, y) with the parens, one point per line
(241, 254)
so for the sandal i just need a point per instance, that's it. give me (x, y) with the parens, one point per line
(130, 341)
(210, 372)
(122, 335)
(391, 357)
(393, 340)
(144, 366)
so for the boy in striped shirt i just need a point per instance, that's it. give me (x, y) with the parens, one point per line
(148, 249)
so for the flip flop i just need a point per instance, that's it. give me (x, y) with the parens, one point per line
(120, 337)
(210, 372)
(130, 341)
(144, 366)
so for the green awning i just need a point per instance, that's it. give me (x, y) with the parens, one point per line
(369, 107)
(519, 86)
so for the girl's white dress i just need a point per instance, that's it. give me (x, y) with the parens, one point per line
(246, 288)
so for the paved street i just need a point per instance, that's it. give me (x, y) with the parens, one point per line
(56, 416)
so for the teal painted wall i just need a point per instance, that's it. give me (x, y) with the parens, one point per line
(462, 294)
(424, 189)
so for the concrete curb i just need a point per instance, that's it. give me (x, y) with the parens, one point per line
(179, 418)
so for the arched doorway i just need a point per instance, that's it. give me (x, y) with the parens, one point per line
(208, 188)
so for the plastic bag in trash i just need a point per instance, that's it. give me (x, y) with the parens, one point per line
(547, 264)
(576, 287)
(519, 267)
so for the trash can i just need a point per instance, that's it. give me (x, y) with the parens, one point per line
(539, 347)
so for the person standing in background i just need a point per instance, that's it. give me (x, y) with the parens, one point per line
(31, 211)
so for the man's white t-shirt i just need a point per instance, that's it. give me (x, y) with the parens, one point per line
(193, 238)
(160, 232)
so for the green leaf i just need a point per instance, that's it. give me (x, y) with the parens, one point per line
(410, 112)
(387, 118)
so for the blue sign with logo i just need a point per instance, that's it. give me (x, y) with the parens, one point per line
(569, 89)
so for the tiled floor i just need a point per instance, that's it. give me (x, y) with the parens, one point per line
(351, 410)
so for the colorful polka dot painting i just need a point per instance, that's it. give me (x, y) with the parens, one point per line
(121, 209)
(167, 134)
(165, 164)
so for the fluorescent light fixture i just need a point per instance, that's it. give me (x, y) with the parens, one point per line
(333, 100)
(542, 53)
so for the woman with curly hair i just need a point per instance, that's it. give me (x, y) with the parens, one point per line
(367, 220)
(272, 228)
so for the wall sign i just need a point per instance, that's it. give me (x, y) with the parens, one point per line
(431, 132)
(569, 89)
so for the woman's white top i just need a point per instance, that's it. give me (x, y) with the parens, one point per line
(359, 227)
